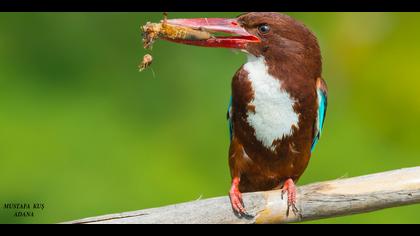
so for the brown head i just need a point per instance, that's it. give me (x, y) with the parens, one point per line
(283, 39)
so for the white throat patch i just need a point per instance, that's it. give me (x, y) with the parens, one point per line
(274, 115)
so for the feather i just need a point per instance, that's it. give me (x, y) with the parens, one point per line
(322, 92)
(229, 118)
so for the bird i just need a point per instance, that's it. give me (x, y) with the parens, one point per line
(278, 102)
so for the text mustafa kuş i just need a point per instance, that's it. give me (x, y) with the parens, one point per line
(24, 209)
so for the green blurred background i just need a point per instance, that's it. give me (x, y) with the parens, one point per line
(84, 132)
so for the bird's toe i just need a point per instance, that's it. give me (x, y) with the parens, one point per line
(237, 202)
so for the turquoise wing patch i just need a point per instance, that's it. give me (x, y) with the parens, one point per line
(322, 111)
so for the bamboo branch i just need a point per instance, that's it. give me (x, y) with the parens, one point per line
(315, 201)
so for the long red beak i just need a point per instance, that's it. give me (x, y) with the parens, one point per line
(238, 37)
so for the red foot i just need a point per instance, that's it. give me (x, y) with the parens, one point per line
(236, 197)
(290, 188)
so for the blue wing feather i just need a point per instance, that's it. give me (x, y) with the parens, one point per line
(322, 111)
(230, 119)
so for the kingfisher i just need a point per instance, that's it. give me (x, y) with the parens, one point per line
(278, 104)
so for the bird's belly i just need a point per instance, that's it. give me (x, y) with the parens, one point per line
(272, 115)
(265, 174)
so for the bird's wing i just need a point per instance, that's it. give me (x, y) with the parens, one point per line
(322, 92)
(229, 118)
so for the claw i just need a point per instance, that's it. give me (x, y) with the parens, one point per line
(290, 188)
(237, 203)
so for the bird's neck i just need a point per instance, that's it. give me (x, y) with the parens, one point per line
(287, 66)
(258, 64)
(262, 67)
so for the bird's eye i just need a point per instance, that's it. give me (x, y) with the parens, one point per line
(264, 28)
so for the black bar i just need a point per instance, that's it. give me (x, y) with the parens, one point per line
(207, 5)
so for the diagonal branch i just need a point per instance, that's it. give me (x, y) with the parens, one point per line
(315, 201)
